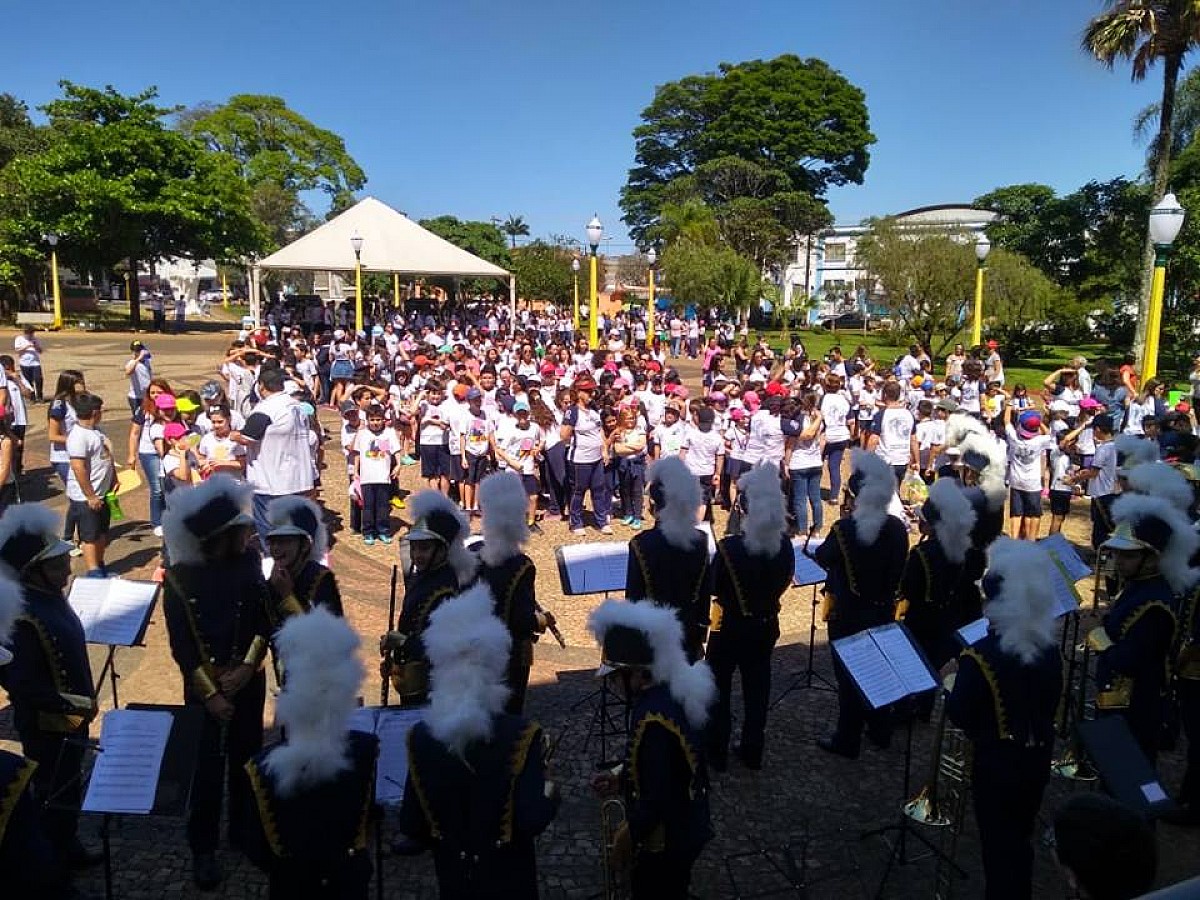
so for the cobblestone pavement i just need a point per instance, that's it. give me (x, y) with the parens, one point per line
(804, 813)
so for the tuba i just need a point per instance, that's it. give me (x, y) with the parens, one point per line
(950, 763)
(616, 852)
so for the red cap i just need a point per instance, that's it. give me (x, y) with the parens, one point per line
(775, 389)
(992, 345)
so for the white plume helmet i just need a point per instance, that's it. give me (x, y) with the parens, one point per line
(504, 505)
(765, 519)
(1174, 560)
(322, 678)
(12, 604)
(952, 517)
(691, 684)
(1019, 602)
(991, 478)
(1160, 479)
(464, 562)
(959, 425)
(299, 516)
(468, 649)
(873, 484)
(42, 526)
(1132, 451)
(183, 531)
(676, 494)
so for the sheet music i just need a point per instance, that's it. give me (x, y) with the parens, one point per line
(112, 610)
(1066, 596)
(870, 669)
(1058, 546)
(807, 571)
(391, 725)
(899, 651)
(974, 632)
(125, 778)
(595, 568)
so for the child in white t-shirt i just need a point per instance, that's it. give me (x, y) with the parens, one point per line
(376, 451)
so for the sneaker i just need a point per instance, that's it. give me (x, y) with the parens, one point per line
(385, 539)
(636, 524)
(158, 531)
(535, 528)
(578, 531)
(607, 529)
(407, 460)
(626, 520)
(76, 551)
(369, 540)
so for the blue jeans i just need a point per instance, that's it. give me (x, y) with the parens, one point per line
(675, 343)
(590, 477)
(152, 468)
(805, 493)
(833, 459)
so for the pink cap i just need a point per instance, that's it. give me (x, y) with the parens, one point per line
(750, 398)
(620, 383)
(737, 414)
(174, 430)
(165, 401)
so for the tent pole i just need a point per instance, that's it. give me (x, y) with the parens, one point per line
(512, 299)
(256, 295)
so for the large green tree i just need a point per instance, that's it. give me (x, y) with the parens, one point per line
(120, 186)
(1146, 32)
(795, 125)
(543, 272)
(483, 239)
(710, 275)
(281, 155)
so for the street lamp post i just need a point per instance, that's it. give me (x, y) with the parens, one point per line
(651, 258)
(982, 246)
(595, 231)
(52, 239)
(1166, 218)
(356, 242)
(575, 279)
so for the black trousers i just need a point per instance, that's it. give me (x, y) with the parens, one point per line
(224, 750)
(33, 375)
(743, 645)
(18, 460)
(1007, 786)
(376, 510)
(58, 781)
(660, 876)
(1188, 692)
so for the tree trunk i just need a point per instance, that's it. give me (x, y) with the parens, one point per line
(1162, 174)
(135, 299)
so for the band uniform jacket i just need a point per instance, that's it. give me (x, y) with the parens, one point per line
(27, 862)
(665, 780)
(314, 585)
(423, 593)
(1187, 657)
(313, 842)
(942, 597)
(989, 521)
(670, 576)
(862, 579)
(512, 584)
(481, 811)
(217, 618)
(1141, 627)
(748, 587)
(49, 680)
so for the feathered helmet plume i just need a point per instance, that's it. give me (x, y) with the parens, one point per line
(1152, 523)
(294, 516)
(504, 505)
(872, 483)
(437, 518)
(950, 514)
(194, 515)
(1019, 601)
(765, 518)
(676, 495)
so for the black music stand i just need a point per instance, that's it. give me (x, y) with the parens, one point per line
(807, 573)
(172, 799)
(112, 624)
(905, 675)
(1125, 772)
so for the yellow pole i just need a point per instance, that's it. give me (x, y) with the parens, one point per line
(650, 312)
(1153, 326)
(358, 317)
(593, 306)
(396, 290)
(977, 327)
(575, 278)
(224, 290)
(54, 282)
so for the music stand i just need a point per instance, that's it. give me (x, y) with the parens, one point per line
(887, 666)
(114, 612)
(172, 797)
(1126, 773)
(807, 573)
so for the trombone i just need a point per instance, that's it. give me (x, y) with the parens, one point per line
(616, 853)
(1074, 764)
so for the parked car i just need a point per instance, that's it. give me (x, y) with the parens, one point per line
(845, 322)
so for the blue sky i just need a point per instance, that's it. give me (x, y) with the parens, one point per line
(479, 109)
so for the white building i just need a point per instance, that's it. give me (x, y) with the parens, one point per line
(826, 268)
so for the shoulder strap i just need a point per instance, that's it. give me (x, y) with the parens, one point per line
(989, 675)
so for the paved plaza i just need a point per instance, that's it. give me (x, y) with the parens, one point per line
(804, 814)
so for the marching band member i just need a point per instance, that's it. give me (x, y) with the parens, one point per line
(669, 563)
(476, 790)
(511, 576)
(311, 794)
(750, 573)
(442, 565)
(938, 591)
(49, 680)
(215, 602)
(1152, 544)
(1187, 693)
(1004, 697)
(863, 557)
(982, 462)
(27, 860)
(663, 776)
(297, 542)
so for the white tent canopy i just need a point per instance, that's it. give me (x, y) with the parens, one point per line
(391, 242)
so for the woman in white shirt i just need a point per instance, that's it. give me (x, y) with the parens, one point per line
(835, 411)
(588, 454)
(29, 358)
(803, 453)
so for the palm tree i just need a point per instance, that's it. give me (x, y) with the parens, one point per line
(1144, 31)
(515, 227)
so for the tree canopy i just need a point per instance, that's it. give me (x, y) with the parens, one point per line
(483, 239)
